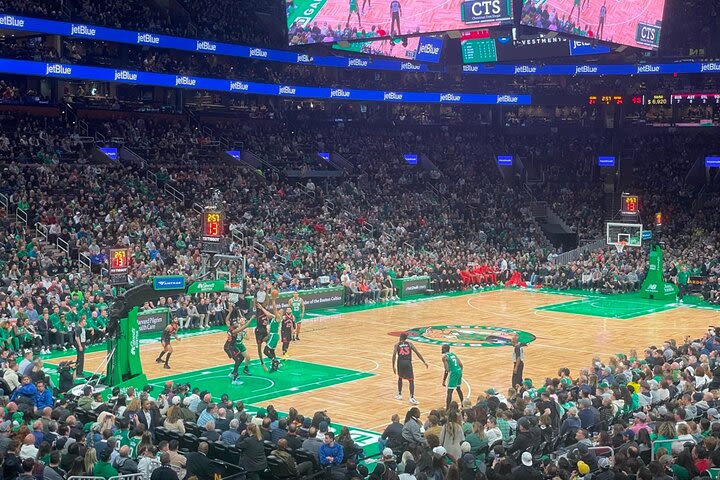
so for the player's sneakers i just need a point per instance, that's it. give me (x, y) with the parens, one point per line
(237, 382)
(231, 375)
(398, 396)
(166, 367)
(246, 371)
(159, 360)
(413, 401)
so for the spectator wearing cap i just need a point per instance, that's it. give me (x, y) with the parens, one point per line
(640, 423)
(628, 441)
(713, 415)
(526, 471)
(523, 439)
(605, 472)
(388, 458)
(409, 471)
(589, 415)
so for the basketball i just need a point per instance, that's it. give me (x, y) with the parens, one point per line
(275, 292)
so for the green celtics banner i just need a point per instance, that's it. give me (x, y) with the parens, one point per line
(207, 286)
(408, 286)
(654, 286)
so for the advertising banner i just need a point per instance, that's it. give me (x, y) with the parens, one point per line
(314, 299)
(154, 320)
(409, 286)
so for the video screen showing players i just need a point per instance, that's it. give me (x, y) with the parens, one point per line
(426, 49)
(636, 23)
(324, 21)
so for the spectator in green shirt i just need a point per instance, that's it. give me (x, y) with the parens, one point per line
(103, 468)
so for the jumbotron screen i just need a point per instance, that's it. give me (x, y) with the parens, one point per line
(635, 23)
(426, 49)
(324, 21)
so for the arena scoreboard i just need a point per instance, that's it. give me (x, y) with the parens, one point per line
(696, 98)
(212, 220)
(629, 204)
(119, 263)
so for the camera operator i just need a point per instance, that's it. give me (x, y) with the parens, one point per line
(66, 372)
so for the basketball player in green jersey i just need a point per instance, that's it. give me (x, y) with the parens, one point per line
(297, 307)
(273, 338)
(353, 9)
(453, 367)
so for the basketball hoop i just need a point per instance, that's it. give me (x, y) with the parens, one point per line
(620, 246)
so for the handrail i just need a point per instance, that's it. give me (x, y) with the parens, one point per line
(21, 216)
(665, 442)
(567, 257)
(42, 230)
(5, 202)
(176, 194)
(84, 260)
(259, 247)
(99, 137)
(85, 477)
(151, 176)
(198, 208)
(63, 245)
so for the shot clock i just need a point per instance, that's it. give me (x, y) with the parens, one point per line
(629, 204)
(119, 262)
(212, 229)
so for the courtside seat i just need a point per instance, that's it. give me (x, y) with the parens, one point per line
(192, 428)
(232, 455)
(269, 447)
(218, 450)
(161, 433)
(173, 435)
(301, 455)
(189, 441)
(278, 469)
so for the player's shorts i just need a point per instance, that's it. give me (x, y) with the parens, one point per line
(241, 347)
(260, 336)
(405, 371)
(455, 379)
(298, 318)
(286, 336)
(273, 340)
(353, 7)
(231, 351)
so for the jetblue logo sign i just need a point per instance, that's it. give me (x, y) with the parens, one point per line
(710, 67)
(10, 21)
(285, 90)
(302, 58)
(258, 53)
(339, 93)
(580, 69)
(507, 99)
(205, 46)
(239, 87)
(393, 96)
(429, 49)
(357, 62)
(148, 38)
(82, 30)
(57, 69)
(185, 81)
(409, 66)
(521, 69)
(449, 97)
(125, 75)
(648, 68)
(471, 68)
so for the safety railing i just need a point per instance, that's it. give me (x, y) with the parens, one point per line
(259, 247)
(85, 477)
(198, 208)
(84, 260)
(572, 255)
(129, 476)
(176, 194)
(666, 443)
(152, 177)
(21, 216)
(42, 230)
(4, 202)
(63, 245)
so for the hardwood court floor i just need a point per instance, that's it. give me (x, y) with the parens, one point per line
(361, 341)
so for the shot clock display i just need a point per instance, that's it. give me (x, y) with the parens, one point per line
(629, 204)
(119, 262)
(212, 222)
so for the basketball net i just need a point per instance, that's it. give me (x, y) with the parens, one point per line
(620, 246)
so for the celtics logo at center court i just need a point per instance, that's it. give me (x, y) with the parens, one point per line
(468, 335)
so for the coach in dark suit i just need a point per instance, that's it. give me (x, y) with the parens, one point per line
(199, 465)
(149, 417)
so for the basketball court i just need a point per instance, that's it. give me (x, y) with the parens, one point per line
(343, 362)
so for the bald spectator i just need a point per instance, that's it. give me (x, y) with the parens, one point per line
(199, 465)
(231, 435)
(28, 449)
(123, 463)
